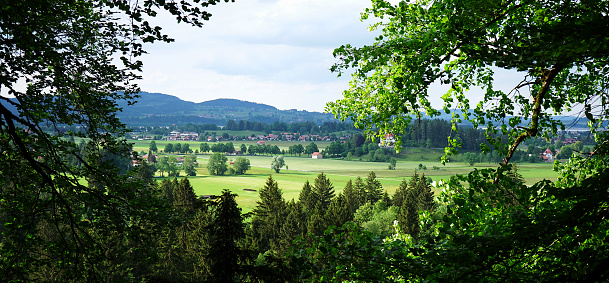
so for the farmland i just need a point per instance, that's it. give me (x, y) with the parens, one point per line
(302, 169)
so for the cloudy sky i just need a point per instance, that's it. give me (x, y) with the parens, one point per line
(276, 52)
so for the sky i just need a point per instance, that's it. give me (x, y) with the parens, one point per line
(276, 52)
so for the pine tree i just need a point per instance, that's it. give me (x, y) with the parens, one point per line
(323, 191)
(184, 198)
(338, 212)
(374, 188)
(351, 197)
(295, 226)
(226, 230)
(306, 197)
(360, 189)
(400, 194)
(269, 215)
(166, 190)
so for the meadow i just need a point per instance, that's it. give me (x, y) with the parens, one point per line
(304, 168)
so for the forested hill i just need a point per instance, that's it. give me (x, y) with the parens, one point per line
(161, 109)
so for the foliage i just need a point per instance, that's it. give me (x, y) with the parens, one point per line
(323, 191)
(269, 216)
(277, 162)
(152, 146)
(310, 148)
(392, 163)
(427, 42)
(241, 165)
(216, 165)
(189, 165)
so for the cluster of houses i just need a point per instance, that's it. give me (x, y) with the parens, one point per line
(183, 136)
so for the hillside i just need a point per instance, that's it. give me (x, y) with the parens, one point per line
(162, 109)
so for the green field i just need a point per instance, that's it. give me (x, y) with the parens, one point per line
(339, 172)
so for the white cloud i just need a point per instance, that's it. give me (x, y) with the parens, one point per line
(272, 52)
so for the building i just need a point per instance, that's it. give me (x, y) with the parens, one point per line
(317, 155)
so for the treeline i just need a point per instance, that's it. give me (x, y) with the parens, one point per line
(302, 128)
(432, 133)
(358, 146)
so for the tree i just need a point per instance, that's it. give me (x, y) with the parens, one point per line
(227, 257)
(444, 42)
(269, 215)
(152, 147)
(241, 165)
(392, 163)
(177, 148)
(323, 191)
(277, 163)
(189, 165)
(216, 165)
(204, 147)
(470, 158)
(184, 198)
(374, 189)
(168, 148)
(79, 61)
(312, 147)
(185, 148)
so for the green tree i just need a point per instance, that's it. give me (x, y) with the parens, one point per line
(306, 197)
(226, 256)
(168, 148)
(241, 165)
(177, 148)
(185, 148)
(216, 165)
(79, 61)
(470, 158)
(323, 191)
(173, 170)
(152, 147)
(458, 44)
(277, 162)
(190, 164)
(392, 163)
(204, 147)
(374, 189)
(184, 198)
(310, 148)
(269, 216)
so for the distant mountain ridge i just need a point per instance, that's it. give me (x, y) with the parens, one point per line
(163, 109)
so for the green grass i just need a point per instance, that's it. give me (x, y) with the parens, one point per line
(339, 172)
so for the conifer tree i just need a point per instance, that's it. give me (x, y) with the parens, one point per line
(166, 190)
(295, 226)
(374, 189)
(400, 194)
(226, 230)
(338, 212)
(351, 197)
(269, 215)
(323, 190)
(306, 197)
(184, 198)
(360, 189)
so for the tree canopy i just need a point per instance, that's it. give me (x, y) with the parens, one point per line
(68, 63)
(559, 49)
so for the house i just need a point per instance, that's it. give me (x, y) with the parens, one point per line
(317, 155)
(547, 155)
(260, 142)
(389, 141)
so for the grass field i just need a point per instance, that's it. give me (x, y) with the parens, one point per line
(339, 172)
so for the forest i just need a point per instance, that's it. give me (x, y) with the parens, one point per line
(73, 217)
